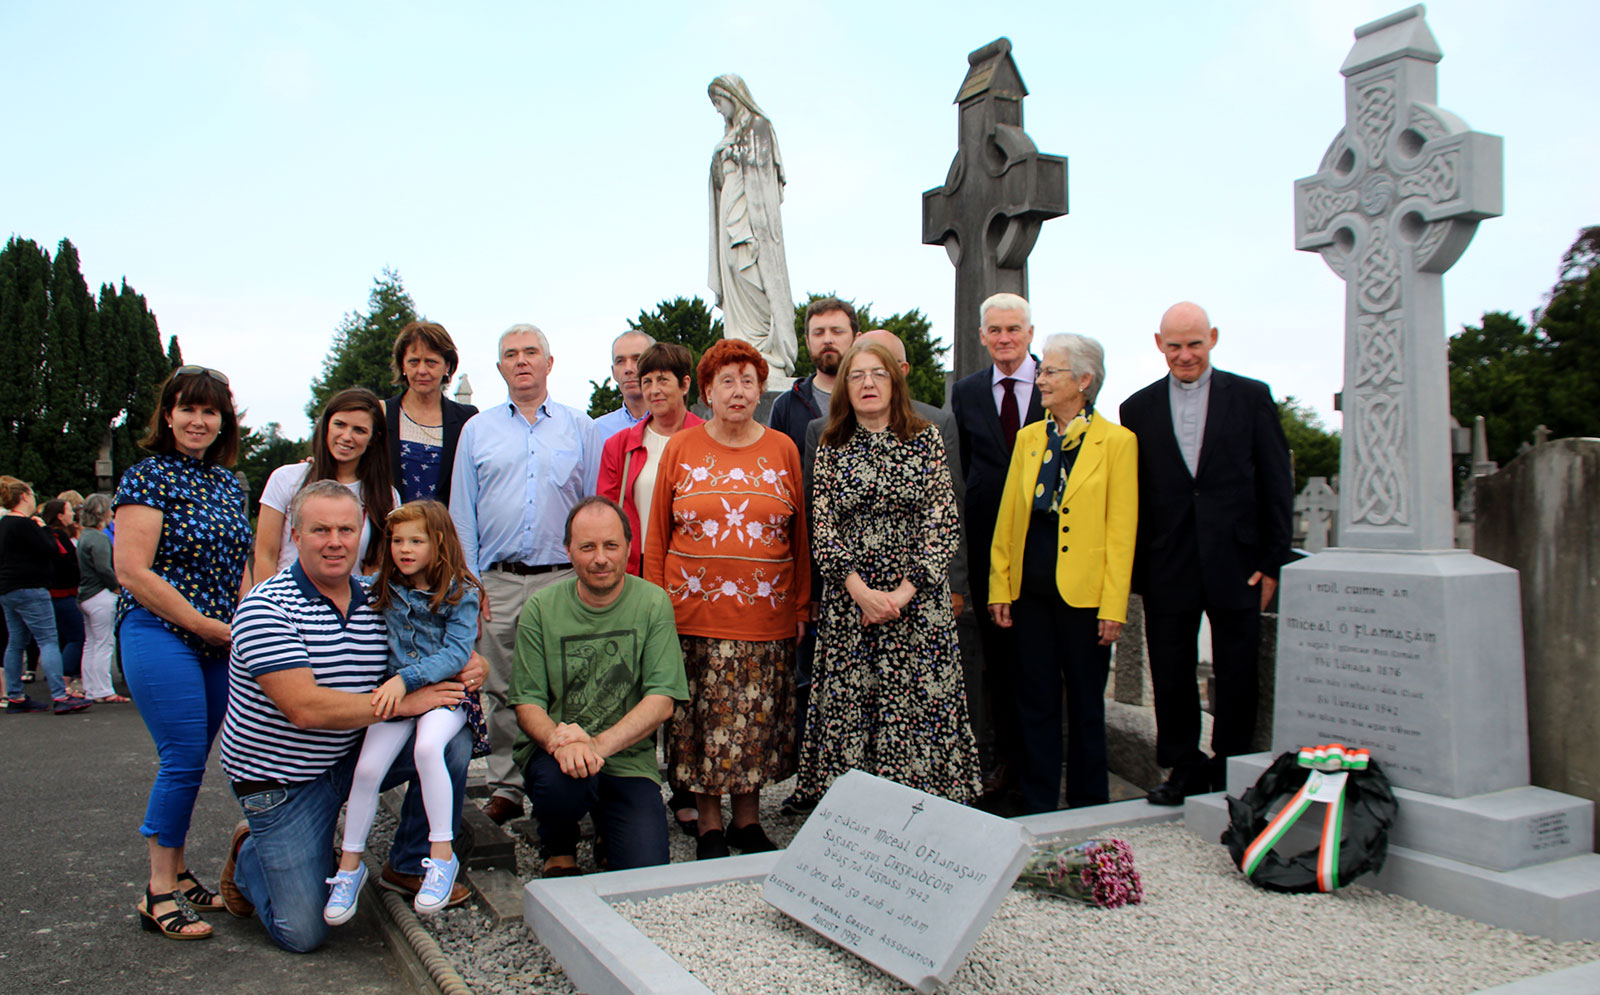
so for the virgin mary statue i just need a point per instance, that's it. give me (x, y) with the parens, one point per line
(749, 275)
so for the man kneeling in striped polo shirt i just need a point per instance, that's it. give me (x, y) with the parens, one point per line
(308, 650)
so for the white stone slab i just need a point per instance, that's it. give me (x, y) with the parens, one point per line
(1500, 831)
(1415, 656)
(1559, 900)
(905, 880)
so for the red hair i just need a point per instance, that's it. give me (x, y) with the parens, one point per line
(729, 352)
(447, 576)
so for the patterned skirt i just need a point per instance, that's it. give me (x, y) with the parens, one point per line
(736, 733)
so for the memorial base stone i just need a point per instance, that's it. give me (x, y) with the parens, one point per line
(1416, 656)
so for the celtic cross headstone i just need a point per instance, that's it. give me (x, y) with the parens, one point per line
(1397, 198)
(1000, 189)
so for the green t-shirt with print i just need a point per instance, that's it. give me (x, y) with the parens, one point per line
(592, 666)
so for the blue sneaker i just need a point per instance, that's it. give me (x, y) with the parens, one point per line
(438, 880)
(346, 893)
(18, 706)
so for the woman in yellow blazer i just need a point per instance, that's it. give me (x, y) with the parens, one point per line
(1059, 569)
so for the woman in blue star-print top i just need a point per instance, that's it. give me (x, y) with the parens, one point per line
(183, 536)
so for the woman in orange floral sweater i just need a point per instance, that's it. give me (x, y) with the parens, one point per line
(729, 546)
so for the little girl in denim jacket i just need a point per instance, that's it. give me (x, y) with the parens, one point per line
(430, 606)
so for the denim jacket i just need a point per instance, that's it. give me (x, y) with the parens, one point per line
(426, 647)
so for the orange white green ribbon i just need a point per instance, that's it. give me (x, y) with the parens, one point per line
(1330, 765)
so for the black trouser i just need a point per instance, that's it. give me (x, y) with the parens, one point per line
(1174, 660)
(1059, 646)
(999, 687)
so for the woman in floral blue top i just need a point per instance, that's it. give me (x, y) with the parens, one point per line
(183, 536)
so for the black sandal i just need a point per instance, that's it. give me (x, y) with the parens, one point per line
(202, 898)
(171, 924)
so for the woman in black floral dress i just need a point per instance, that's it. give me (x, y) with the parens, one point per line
(888, 696)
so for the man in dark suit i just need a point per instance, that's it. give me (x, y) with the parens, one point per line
(989, 407)
(1215, 496)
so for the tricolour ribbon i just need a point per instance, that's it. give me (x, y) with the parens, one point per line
(1329, 764)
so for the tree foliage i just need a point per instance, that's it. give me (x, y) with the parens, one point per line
(363, 343)
(75, 372)
(1315, 449)
(1519, 377)
(262, 452)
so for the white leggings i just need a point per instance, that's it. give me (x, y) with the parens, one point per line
(384, 742)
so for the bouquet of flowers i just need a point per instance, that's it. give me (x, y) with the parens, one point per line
(1096, 872)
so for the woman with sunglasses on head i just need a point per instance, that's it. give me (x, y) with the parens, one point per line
(350, 445)
(183, 538)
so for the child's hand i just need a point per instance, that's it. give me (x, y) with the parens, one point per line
(388, 696)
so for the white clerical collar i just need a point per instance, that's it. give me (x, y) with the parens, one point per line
(1205, 378)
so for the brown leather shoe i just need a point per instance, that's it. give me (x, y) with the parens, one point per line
(410, 884)
(232, 898)
(502, 810)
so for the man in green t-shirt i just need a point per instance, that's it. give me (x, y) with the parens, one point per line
(598, 668)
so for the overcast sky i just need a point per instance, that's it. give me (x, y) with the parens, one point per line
(251, 168)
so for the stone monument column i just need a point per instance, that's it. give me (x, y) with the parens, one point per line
(1393, 640)
(1000, 189)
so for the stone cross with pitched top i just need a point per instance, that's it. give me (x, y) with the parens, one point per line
(998, 192)
(1398, 196)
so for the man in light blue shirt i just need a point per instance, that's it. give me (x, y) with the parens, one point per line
(520, 467)
(625, 352)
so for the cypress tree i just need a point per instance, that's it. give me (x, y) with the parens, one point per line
(359, 356)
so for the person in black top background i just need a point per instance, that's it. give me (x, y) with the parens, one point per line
(26, 549)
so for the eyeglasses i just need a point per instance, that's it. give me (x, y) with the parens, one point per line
(1054, 371)
(189, 371)
(859, 376)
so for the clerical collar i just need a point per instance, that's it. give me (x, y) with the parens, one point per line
(1204, 379)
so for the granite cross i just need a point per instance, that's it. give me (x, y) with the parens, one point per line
(998, 192)
(1317, 503)
(1398, 196)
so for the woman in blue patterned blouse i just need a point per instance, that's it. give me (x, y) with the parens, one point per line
(183, 536)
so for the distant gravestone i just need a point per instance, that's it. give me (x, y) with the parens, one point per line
(905, 880)
(1000, 189)
(1317, 505)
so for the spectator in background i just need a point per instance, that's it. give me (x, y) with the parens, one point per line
(626, 349)
(97, 599)
(350, 446)
(64, 579)
(26, 552)
(422, 425)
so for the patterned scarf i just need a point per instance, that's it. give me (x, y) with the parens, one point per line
(1060, 452)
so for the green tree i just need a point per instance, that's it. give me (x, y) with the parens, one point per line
(359, 356)
(925, 356)
(132, 335)
(1315, 449)
(24, 316)
(1519, 377)
(262, 452)
(684, 320)
(73, 421)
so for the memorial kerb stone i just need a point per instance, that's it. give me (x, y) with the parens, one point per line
(1000, 189)
(903, 879)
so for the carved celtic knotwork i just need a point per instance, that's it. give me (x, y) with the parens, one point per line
(1375, 116)
(1377, 191)
(1426, 123)
(1380, 352)
(1439, 179)
(1335, 150)
(1378, 271)
(1323, 205)
(1431, 237)
(1381, 477)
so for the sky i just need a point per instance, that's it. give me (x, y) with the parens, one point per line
(251, 168)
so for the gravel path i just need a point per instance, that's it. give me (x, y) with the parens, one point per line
(1202, 929)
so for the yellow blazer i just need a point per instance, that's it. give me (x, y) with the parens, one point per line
(1099, 518)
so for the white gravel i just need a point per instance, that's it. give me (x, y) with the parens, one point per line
(1201, 929)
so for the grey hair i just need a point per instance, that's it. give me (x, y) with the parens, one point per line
(95, 511)
(1084, 355)
(651, 339)
(318, 488)
(521, 328)
(1004, 302)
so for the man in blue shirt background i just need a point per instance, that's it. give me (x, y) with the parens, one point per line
(520, 467)
(625, 352)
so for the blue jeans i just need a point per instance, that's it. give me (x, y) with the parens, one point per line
(181, 696)
(283, 866)
(627, 811)
(30, 615)
(69, 632)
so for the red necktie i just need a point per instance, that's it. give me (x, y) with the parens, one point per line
(1010, 421)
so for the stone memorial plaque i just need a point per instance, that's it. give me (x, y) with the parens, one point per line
(1416, 657)
(905, 880)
